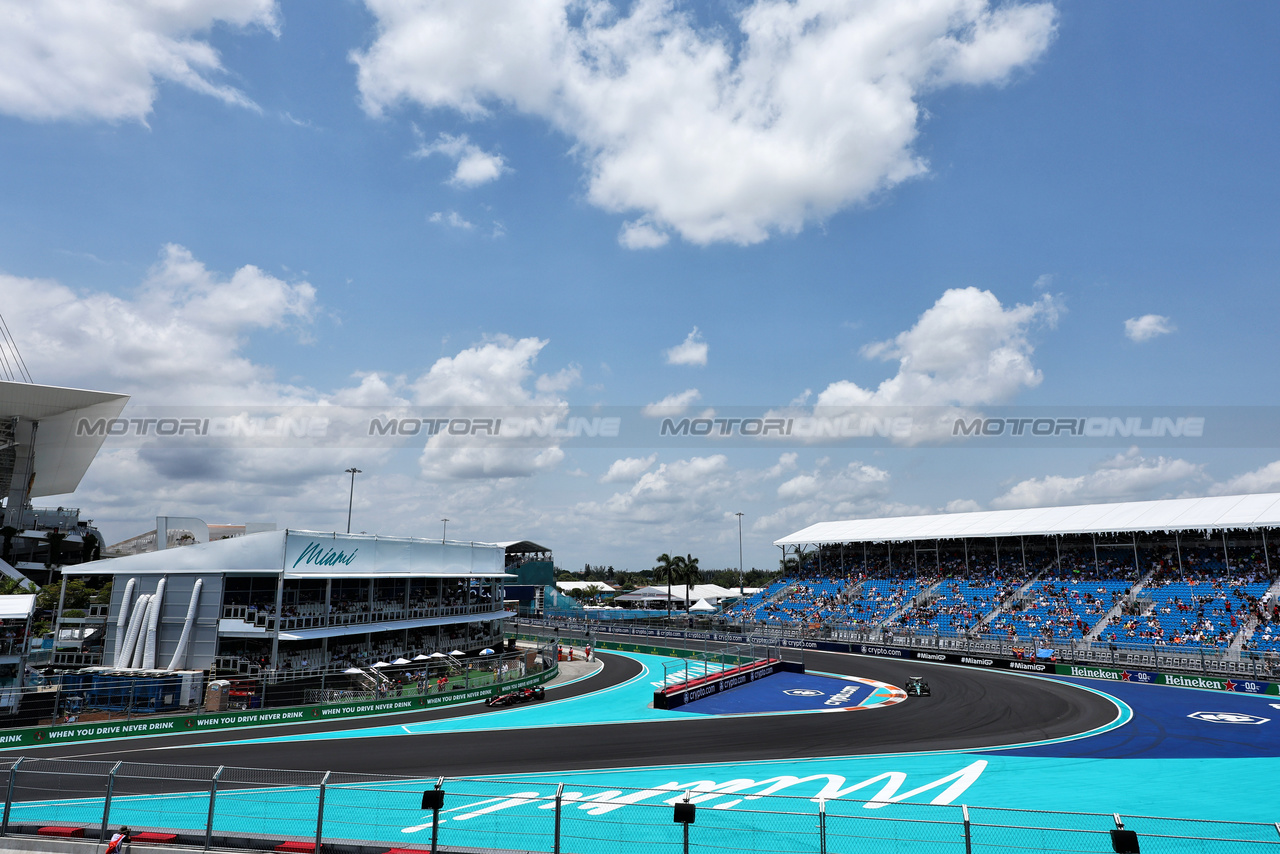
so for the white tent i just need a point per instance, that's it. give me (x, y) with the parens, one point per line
(1223, 512)
(702, 607)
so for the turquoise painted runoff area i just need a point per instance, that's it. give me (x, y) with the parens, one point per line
(896, 789)
(629, 702)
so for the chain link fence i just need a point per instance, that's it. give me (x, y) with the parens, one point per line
(263, 809)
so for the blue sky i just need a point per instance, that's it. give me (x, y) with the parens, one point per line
(287, 205)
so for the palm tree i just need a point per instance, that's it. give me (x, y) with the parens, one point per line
(690, 575)
(670, 566)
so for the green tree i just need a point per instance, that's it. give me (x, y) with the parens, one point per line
(79, 595)
(690, 575)
(10, 586)
(669, 567)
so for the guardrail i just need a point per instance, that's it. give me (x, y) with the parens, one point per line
(1206, 661)
(316, 811)
(94, 700)
(355, 706)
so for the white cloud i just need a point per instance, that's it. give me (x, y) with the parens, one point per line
(641, 234)
(962, 505)
(855, 480)
(965, 350)
(180, 340)
(473, 165)
(691, 351)
(855, 490)
(494, 374)
(786, 462)
(1265, 479)
(628, 468)
(453, 219)
(1124, 477)
(1143, 329)
(711, 133)
(672, 405)
(104, 59)
(681, 491)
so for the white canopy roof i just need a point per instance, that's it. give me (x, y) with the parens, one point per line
(62, 453)
(17, 607)
(1173, 514)
(678, 593)
(312, 554)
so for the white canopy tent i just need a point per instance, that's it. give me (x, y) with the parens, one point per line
(1226, 512)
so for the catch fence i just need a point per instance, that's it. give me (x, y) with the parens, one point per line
(207, 807)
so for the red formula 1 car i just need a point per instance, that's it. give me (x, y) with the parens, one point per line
(515, 698)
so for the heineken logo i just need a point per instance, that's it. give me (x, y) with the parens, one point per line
(1095, 673)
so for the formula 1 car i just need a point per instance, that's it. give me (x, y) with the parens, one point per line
(917, 687)
(515, 698)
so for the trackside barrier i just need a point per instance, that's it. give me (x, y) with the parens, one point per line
(991, 660)
(180, 724)
(343, 813)
(837, 638)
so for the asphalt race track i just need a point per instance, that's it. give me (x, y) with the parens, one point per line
(969, 709)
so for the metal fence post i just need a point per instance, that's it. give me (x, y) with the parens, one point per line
(8, 797)
(106, 802)
(213, 794)
(435, 821)
(822, 826)
(968, 833)
(559, 801)
(320, 811)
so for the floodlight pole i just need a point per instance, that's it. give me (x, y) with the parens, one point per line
(444, 530)
(741, 589)
(353, 471)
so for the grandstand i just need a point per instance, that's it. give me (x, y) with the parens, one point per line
(300, 603)
(1199, 573)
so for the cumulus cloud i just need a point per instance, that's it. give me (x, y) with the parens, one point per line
(641, 234)
(1143, 329)
(481, 380)
(682, 490)
(453, 219)
(691, 351)
(786, 462)
(722, 132)
(965, 350)
(826, 492)
(1265, 479)
(181, 339)
(628, 468)
(1124, 477)
(473, 165)
(672, 405)
(962, 505)
(104, 59)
